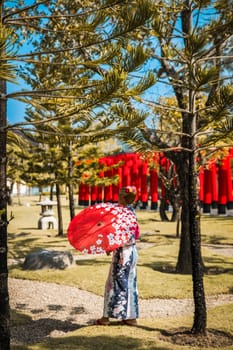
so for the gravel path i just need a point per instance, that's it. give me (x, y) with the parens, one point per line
(56, 309)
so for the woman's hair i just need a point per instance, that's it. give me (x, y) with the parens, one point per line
(129, 193)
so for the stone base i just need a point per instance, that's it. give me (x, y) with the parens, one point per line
(47, 222)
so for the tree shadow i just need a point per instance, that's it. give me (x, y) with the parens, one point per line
(54, 333)
(21, 247)
(212, 338)
(76, 310)
(103, 342)
(218, 217)
(216, 264)
(161, 266)
(214, 269)
(146, 221)
(22, 244)
(215, 239)
(89, 262)
(37, 330)
(41, 330)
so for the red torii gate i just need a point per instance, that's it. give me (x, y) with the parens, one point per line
(216, 185)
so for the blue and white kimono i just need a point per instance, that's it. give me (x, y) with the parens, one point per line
(121, 292)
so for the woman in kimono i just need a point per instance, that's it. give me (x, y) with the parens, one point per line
(121, 293)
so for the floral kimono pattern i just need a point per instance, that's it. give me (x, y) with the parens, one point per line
(121, 293)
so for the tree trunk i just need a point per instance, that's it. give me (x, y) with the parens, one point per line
(184, 262)
(51, 192)
(168, 177)
(71, 201)
(4, 295)
(178, 223)
(162, 210)
(199, 324)
(70, 185)
(175, 209)
(59, 210)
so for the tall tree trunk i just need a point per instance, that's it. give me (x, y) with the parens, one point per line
(70, 185)
(59, 210)
(178, 223)
(162, 210)
(199, 324)
(51, 192)
(71, 201)
(184, 262)
(4, 295)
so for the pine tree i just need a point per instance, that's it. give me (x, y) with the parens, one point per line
(189, 43)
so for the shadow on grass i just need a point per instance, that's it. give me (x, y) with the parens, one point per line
(213, 338)
(146, 221)
(24, 243)
(216, 266)
(30, 228)
(217, 217)
(48, 334)
(21, 234)
(164, 266)
(53, 334)
(103, 342)
(20, 247)
(214, 239)
(90, 262)
(36, 330)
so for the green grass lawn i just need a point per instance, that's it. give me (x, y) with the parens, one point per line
(146, 336)
(158, 250)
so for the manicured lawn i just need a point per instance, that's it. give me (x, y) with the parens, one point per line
(158, 250)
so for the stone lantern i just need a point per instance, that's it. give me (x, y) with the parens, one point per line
(47, 219)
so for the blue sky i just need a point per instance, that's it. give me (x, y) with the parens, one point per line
(15, 109)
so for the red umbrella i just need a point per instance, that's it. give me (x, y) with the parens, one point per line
(102, 228)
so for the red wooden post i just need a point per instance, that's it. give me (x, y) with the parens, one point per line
(86, 195)
(214, 182)
(154, 189)
(108, 189)
(229, 159)
(100, 192)
(144, 188)
(207, 191)
(99, 197)
(222, 185)
(118, 171)
(126, 173)
(94, 191)
(81, 194)
(201, 185)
